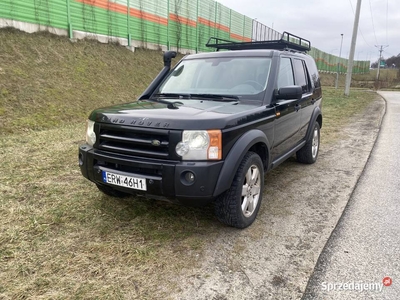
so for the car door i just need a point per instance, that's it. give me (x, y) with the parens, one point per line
(287, 123)
(306, 103)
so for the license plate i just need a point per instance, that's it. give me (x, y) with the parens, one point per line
(125, 181)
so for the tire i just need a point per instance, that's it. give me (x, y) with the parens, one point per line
(309, 153)
(109, 191)
(232, 207)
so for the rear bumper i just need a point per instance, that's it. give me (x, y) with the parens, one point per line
(164, 179)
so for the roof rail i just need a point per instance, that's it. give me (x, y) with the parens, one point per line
(288, 41)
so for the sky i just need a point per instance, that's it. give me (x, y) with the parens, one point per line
(322, 22)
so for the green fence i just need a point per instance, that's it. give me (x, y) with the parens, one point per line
(185, 25)
(331, 63)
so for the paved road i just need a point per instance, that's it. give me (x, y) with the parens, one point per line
(364, 248)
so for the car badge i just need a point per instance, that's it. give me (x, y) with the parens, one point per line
(155, 142)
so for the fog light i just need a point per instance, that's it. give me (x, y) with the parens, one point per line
(187, 178)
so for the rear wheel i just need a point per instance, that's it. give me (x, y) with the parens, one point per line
(239, 205)
(109, 191)
(309, 153)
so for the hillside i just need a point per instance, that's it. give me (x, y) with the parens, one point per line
(47, 80)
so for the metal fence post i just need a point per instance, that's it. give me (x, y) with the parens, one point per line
(70, 32)
(128, 21)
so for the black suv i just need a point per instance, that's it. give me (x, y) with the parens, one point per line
(209, 129)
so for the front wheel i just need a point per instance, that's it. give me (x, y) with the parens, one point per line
(309, 153)
(239, 205)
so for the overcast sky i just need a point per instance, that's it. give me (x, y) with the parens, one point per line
(322, 22)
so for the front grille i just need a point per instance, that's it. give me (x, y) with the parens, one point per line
(149, 170)
(134, 141)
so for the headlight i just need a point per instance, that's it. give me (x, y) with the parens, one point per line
(200, 145)
(90, 135)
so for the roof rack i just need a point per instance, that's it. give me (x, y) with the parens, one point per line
(288, 41)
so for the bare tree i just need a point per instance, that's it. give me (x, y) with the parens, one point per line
(178, 4)
(142, 25)
(157, 33)
(42, 9)
(89, 21)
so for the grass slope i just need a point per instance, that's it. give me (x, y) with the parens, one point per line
(60, 238)
(47, 81)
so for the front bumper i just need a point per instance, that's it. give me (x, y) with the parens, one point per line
(164, 178)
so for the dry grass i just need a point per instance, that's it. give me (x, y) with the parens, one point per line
(60, 238)
(389, 78)
(48, 81)
(389, 75)
(338, 109)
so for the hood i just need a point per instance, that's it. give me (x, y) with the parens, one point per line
(185, 114)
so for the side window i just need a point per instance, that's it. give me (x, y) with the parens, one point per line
(301, 75)
(285, 76)
(312, 69)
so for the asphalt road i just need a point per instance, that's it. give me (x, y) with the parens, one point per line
(364, 248)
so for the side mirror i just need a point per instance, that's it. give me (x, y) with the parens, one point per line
(289, 93)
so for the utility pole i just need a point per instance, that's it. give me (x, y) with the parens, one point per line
(352, 49)
(380, 58)
(338, 64)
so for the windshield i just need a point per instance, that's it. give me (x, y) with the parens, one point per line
(231, 77)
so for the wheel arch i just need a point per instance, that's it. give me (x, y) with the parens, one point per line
(319, 120)
(253, 140)
(315, 117)
(261, 149)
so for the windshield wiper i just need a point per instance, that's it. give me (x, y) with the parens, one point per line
(173, 95)
(216, 97)
(170, 105)
(210, 97)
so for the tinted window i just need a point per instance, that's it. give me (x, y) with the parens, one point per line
(301, 74)
(285, 76)
(312, 69)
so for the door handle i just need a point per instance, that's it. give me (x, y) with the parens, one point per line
(297, 107)
(313, 101)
